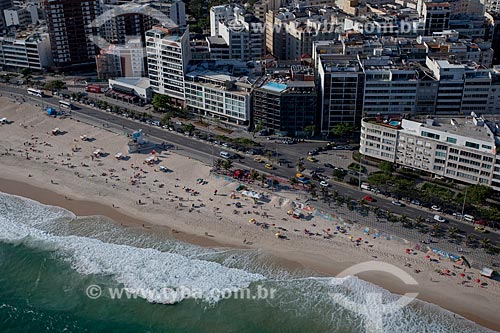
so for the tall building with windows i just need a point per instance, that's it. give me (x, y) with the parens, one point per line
(341, 87)
(70, 31)
(25, 50)
(463, 149)
(390, 87)
(285, 106)
(221, 96)
(239, 30)
(436, 17)
(168, 54)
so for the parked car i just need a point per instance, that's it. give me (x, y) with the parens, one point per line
(328, 165)
(439, 218)
(269, 166)
(480, 229)
(324, 183)
(397, 203)
(436, 208)
(468, 218)
(368, 198)
(415, 202)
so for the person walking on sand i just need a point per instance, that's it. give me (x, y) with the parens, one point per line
(215, 192)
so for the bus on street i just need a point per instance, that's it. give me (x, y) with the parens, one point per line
(66, 105)
(35, 92)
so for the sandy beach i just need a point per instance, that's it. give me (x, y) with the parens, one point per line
(192, 205)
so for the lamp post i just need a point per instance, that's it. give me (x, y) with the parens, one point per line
(463, 206)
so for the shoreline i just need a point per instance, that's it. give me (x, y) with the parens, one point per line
(289, 260)
(63, 170)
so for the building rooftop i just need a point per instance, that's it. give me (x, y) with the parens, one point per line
(472, 127)
(140, 82)
(275, 86)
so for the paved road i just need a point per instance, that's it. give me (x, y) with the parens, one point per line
(207, 152)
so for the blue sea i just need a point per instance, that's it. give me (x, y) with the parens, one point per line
(60, 272)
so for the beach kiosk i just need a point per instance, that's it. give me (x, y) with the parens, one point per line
(151, 159)
(97, 153)
(487, 272)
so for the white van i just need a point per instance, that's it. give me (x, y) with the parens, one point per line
(469, 218)
(365, 186)
(225, 154)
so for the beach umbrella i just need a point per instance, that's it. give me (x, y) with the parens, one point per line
(478, 281)
(428, 256)
(462, 275)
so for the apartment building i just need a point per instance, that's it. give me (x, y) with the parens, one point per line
(25, 50)
(219, 96)
(390, 88)
(122, 60)
(291, 34)
(242, 32)
(168, 54)
(341, 87)
(463, 149)
(70, 31)
(492, 5)
(22, 15)
(285, 106)
(436, 17)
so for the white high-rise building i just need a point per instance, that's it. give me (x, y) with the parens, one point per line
(168, 54)
(389, 88)
(26, 50)
(463, 149)
(239, 30)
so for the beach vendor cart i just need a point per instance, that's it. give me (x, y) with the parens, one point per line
(97, 153)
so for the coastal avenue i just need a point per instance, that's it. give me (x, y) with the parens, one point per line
(201, 150)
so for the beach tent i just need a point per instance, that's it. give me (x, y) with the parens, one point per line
(252, 194)
(487, 272)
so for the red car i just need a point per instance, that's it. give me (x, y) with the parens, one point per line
(368, 198)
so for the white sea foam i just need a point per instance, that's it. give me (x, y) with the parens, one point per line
(136, 268)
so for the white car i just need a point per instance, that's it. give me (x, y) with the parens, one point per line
(324, 183)
(397, 203)
(436, 208)
(439, 218)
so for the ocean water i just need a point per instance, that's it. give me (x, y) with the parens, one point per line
(49, 258)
